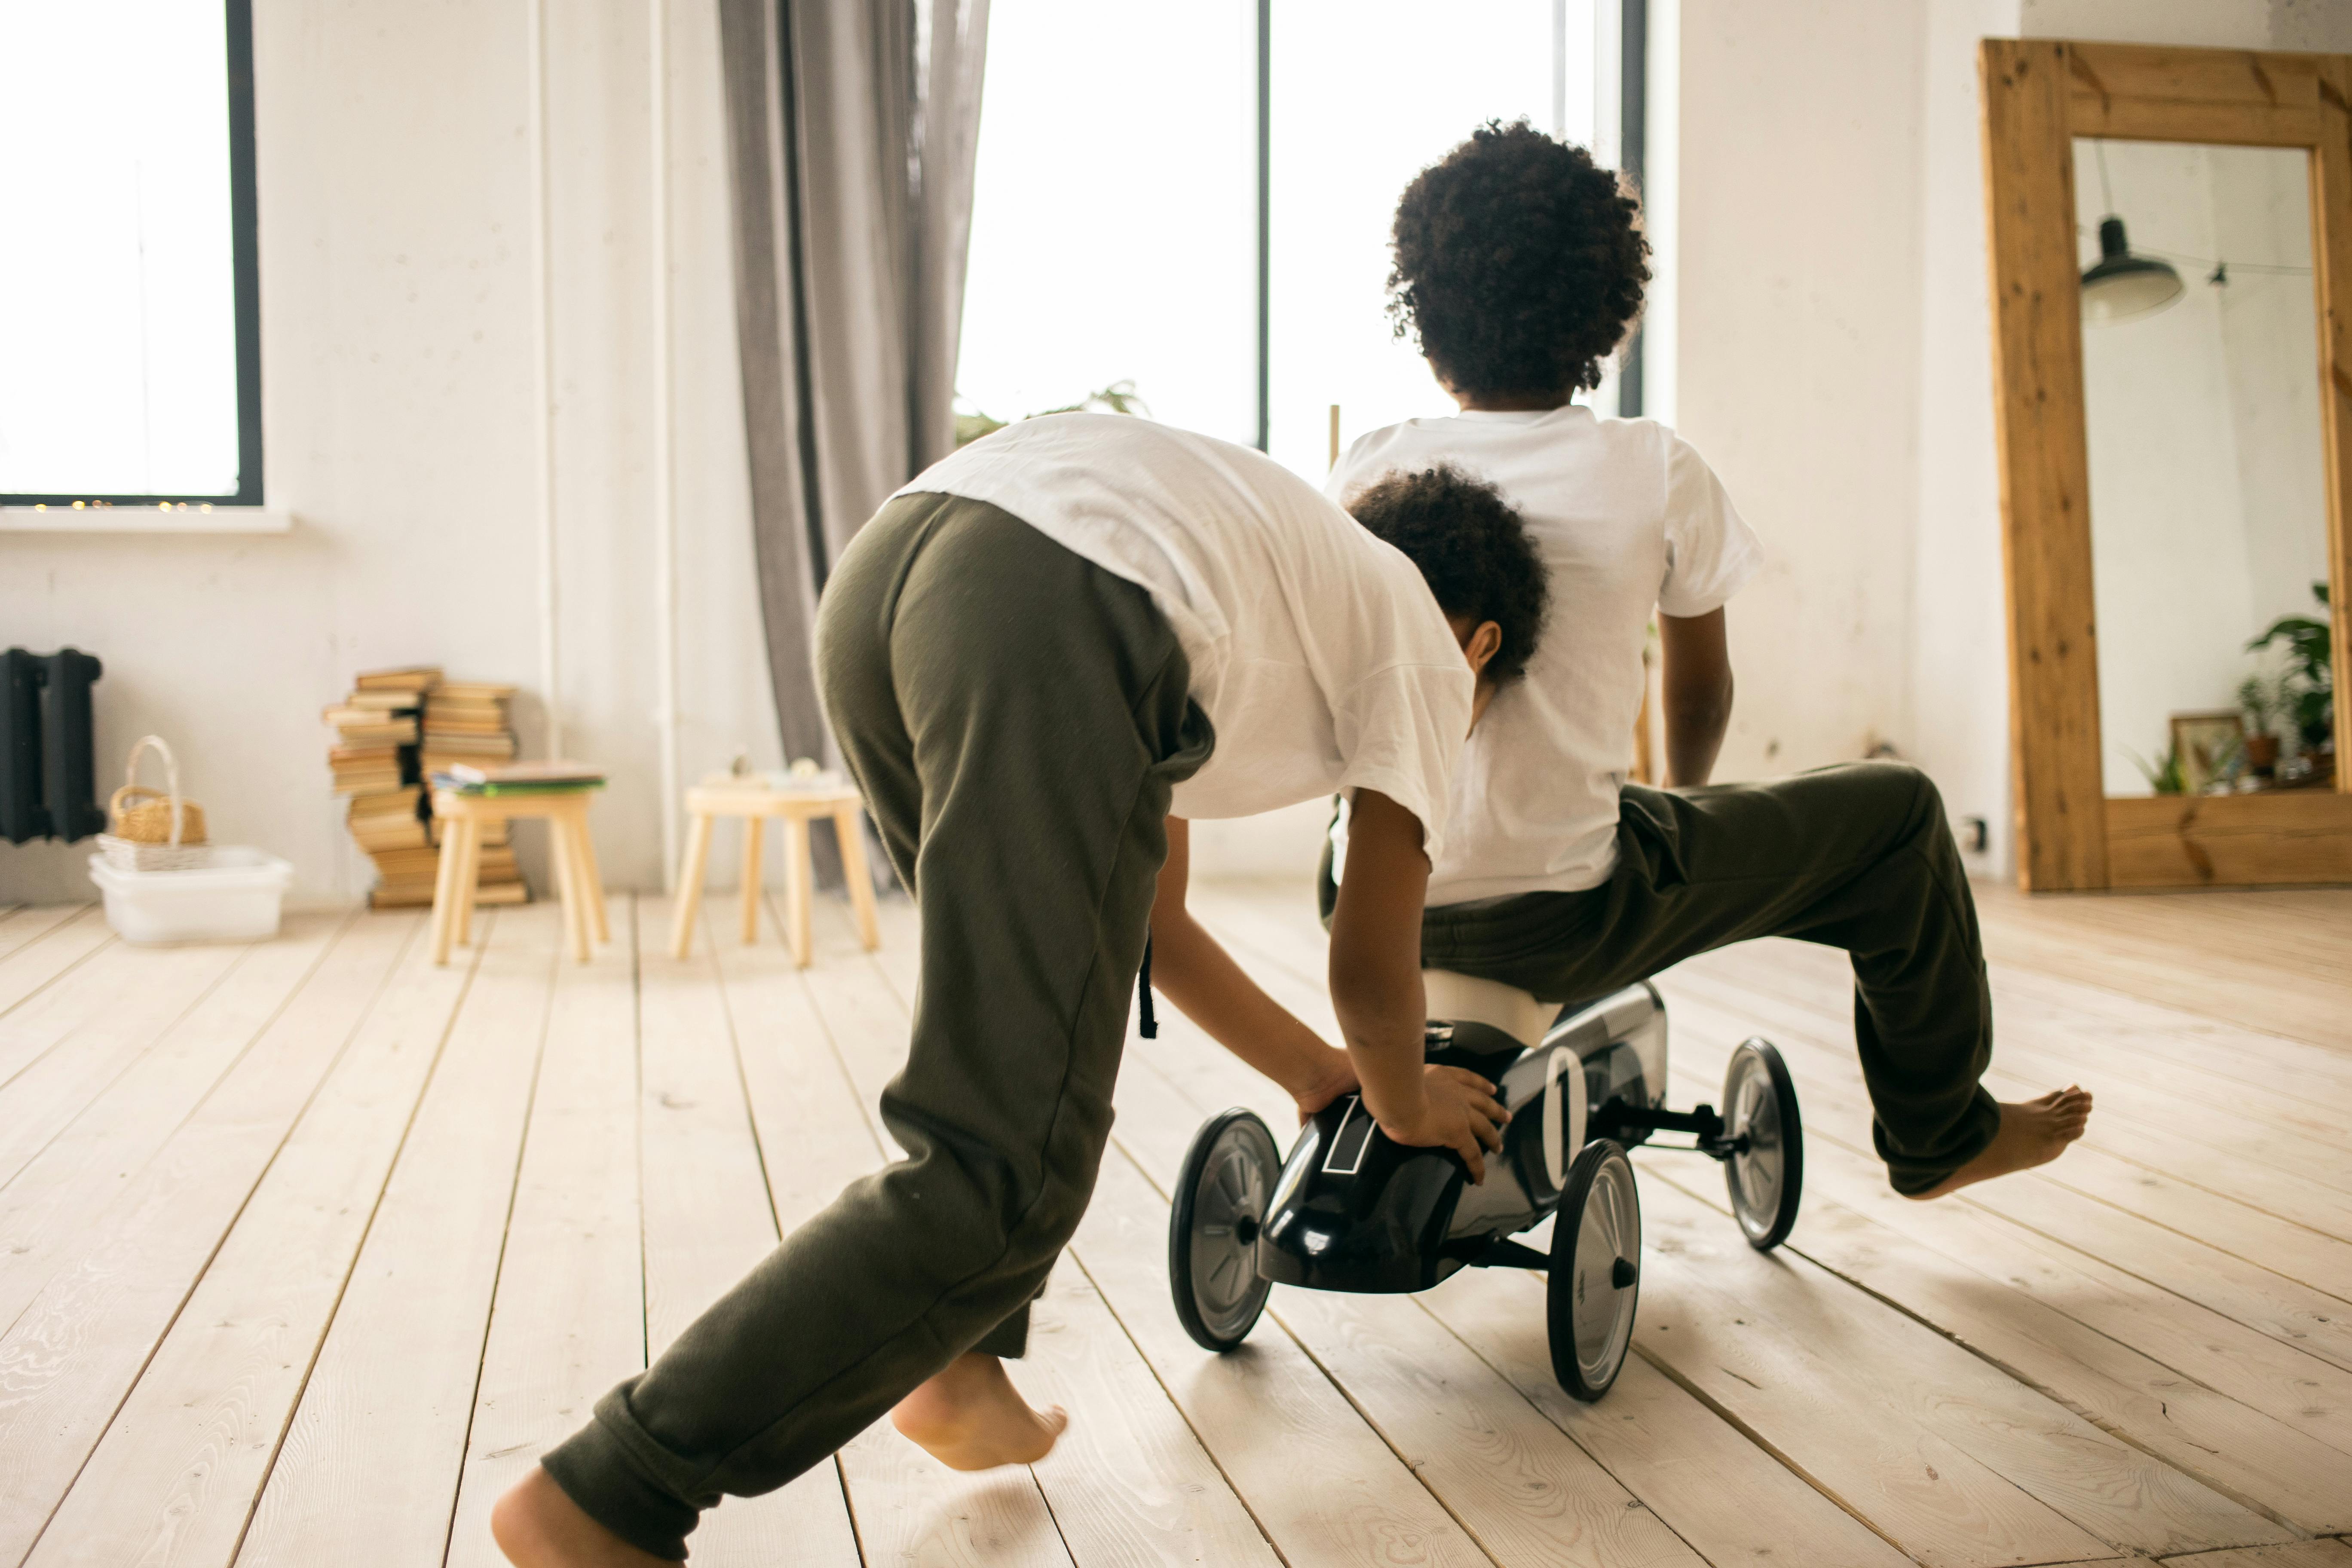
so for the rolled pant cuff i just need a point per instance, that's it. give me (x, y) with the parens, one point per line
(1009, 1341)
(596, 1469)
(1910, 1177)
(1911, 1184)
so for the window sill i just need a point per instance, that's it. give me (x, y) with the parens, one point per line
(144, 519)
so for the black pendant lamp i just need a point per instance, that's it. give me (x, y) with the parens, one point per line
(2119, 284)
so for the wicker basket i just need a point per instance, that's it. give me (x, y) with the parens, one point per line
(154, 830)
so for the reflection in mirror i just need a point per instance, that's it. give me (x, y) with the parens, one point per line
(2208, 512)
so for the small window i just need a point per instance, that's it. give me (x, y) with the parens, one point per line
(130, 324)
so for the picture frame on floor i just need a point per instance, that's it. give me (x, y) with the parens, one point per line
(2210, 745)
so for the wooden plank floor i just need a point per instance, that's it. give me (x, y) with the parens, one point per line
(308, 1249)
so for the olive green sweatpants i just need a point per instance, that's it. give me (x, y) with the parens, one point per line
(1857, 857)
(1016, 717)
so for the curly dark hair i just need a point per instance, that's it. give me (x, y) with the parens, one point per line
(1473, 550)
(1520, 262)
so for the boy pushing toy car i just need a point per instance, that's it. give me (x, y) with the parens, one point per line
(1041, 659)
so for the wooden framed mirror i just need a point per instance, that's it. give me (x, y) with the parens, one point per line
(2172, 368)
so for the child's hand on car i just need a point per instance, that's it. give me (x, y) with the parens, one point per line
(1334, 1075)
(1458, 1111)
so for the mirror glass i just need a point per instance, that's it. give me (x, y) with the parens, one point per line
(2209, 512)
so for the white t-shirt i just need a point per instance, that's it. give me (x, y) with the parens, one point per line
(1628, 517)
(1316, 650)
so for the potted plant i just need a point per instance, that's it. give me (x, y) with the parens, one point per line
(2310, 679)
(2164, 775)
(2265, 701)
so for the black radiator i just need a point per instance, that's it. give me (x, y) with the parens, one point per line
(48, 779)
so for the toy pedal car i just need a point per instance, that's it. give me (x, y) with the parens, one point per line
(1352, 1210)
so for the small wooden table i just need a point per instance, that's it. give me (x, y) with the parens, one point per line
(755, 802)
(577, 880)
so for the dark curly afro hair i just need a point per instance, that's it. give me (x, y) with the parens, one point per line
(1473, 550)
(1520, 262)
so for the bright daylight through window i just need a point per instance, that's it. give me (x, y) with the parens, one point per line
(126, 294)
(1367, 93)
(1121, 143)
(1115, 212)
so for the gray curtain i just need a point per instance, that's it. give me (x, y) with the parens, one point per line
(852, 126)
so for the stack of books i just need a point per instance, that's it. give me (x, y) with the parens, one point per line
(382, 740)
(373, 761)
(384, 821)
(465, 724)
(371, 725)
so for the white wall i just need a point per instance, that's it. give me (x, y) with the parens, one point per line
(2208, 506)
(1798, 372)
(2322, 24)
(2270, 332)
(1956, 653)
(2163, 454)
(398, 319)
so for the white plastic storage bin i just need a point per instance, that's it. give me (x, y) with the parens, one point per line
(234, 899)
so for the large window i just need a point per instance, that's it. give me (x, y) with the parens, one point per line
(1124, 150)
(129, 365)
(1363, 95)
(1114, 219)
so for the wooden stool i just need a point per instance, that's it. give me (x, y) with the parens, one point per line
(577, 880)
(755, 804)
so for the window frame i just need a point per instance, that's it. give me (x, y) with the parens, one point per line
(1633, 156)
(245, 261)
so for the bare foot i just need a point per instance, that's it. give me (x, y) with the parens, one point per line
(971, 1417)
(537, 1526)
(2033, 1132)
